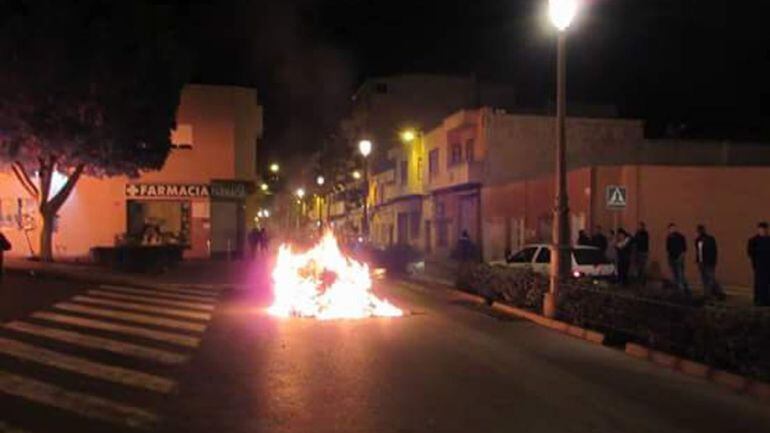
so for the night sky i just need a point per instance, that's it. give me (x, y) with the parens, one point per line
(704, 64)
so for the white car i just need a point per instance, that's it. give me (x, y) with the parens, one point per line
(586, 261)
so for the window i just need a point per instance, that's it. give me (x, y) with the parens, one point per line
(455, 154)
(470, 155)
(524, 256)
(433, 164)
(544, 256)
(404, 172)
(589, 256)
(414, 225)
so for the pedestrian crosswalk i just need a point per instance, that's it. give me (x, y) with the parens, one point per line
(102, 355)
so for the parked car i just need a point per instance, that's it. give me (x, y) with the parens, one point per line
(587, 261)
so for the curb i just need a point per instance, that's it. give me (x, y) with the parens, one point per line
(735, 382)
(90, 278)
(564, 328)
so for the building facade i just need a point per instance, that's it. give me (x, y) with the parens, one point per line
(202, 198)
(488, 173)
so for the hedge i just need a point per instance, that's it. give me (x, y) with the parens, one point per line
(729, 338)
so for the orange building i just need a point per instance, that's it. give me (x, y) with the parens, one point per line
(203, 197)
(489, 173)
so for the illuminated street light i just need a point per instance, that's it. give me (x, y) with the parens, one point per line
(301, 193)
(266, 213)
(407, 136)
(562, 12)
(275, 168)
(356, 175)
(264, 187)
(365, 147)
(320, 180)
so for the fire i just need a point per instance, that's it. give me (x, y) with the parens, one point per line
(324, 284)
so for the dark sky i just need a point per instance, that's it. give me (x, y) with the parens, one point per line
(705, 63)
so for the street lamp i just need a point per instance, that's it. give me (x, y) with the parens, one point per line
(320, 181)
(264, 187)
(356, 175)
(275, 168)
(300, 193)
(561, 13)
(365, 147)
(408, 135)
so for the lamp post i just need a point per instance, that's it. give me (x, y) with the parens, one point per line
(365, 147)
(320, 181)
(561, 13)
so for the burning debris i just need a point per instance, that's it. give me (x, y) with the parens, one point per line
(325, 284)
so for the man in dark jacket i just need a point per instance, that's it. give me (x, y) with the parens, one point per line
(676, 247)
(759, 252)
(642, 252)
(706, 258)
(599, 240)
(4, 246)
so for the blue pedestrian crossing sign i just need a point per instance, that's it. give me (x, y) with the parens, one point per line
(617, 197)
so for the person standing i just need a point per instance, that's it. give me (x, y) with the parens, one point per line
(676, 247)
(759, 252)
(583, 238)
(706, 258)
(642, 253)
(5, 245)
(623, 251)
(599, 240)
(253, 241)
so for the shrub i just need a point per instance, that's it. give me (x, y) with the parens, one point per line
(735, 339)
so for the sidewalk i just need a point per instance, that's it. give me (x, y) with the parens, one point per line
(206, 273)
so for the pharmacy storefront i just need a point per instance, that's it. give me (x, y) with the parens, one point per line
(208, 219)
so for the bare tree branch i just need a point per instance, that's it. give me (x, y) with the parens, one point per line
(25, 180)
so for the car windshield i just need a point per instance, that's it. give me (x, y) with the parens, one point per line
(589, 256)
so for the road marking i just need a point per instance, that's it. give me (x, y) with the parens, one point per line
(153, 300)
(188, 292)
(93, 342)
(150, 334)
(186, 314)
(159, 294)
(131, 317)
(78, 403)
(123, 376)
(5, 428)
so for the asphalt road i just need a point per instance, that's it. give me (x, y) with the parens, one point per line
(218, 363)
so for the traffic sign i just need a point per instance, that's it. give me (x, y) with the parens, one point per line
(617, 197)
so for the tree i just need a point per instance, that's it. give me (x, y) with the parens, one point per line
(87, 87)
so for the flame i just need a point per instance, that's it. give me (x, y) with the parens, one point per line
(324, 284)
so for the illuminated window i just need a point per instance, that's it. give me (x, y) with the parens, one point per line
(455, 154)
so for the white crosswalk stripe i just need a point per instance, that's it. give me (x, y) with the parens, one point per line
(189, 292)
(186, 314)
(100, 321)
(97, 370)
(81, 404)
(157, 294)
(153, 300)
(100, 343)
(132, 317)
(150, 334)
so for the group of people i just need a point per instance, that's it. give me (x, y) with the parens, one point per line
(259, 241)
(632, 251)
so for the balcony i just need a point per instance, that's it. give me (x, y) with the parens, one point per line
(458, 174)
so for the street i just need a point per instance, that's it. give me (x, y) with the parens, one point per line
(178, 359)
